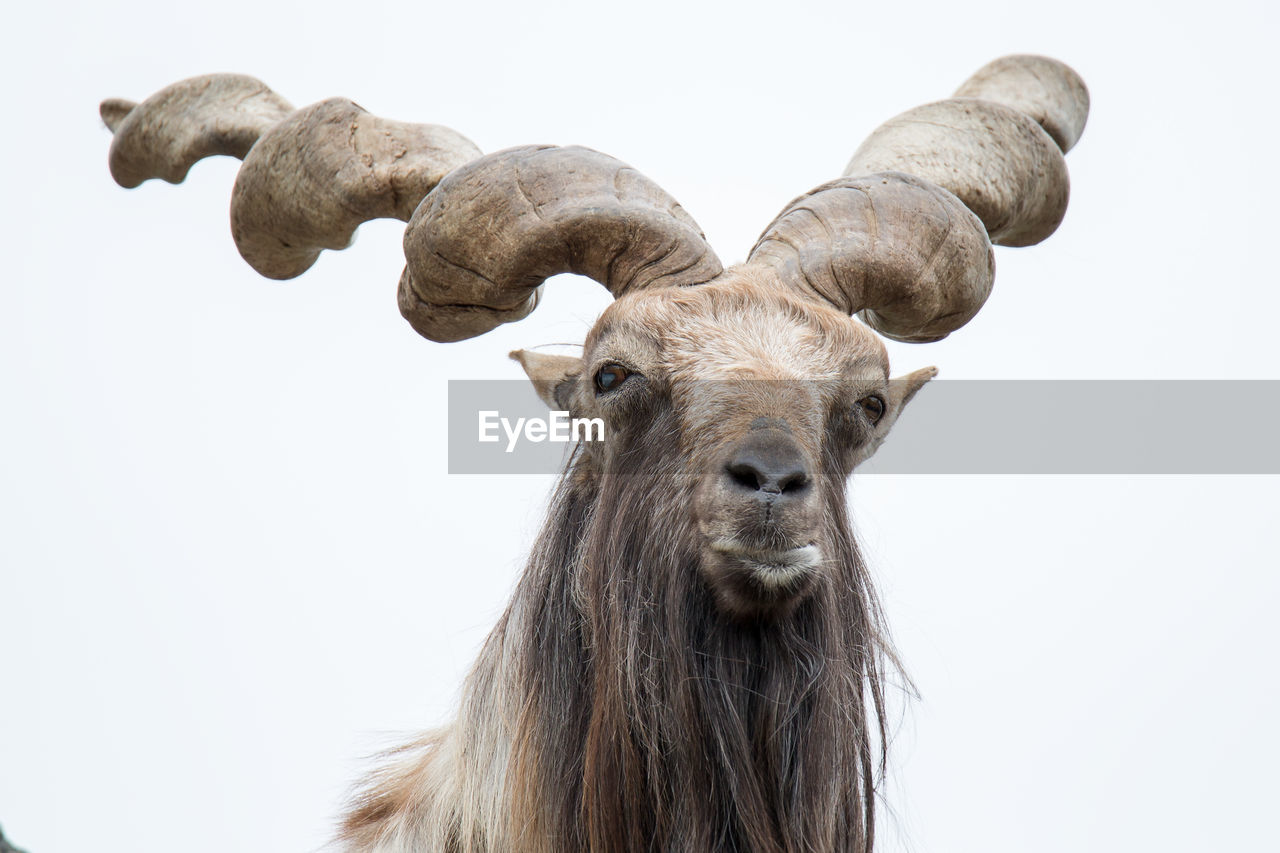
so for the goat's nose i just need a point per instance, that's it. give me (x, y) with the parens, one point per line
(769, 463)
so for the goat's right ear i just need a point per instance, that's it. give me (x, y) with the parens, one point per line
(553, 376)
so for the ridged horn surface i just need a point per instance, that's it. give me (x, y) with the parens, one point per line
(904, 253)
(316, 176)
(165, 135)
(480, 245)
(995, 159)
(1049, 91)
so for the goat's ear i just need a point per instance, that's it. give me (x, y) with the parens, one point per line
(553, 376)
(898, 393)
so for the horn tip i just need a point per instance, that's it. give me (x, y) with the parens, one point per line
(114, 111)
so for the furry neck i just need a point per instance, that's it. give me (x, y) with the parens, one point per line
(653, 721)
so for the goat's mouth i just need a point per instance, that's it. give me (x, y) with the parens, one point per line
(752, 579)
(774, 567)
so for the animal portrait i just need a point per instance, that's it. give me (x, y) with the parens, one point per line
(694, 658)
(566, 427)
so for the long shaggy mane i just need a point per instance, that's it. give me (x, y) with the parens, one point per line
(616, 709)
(654, 721)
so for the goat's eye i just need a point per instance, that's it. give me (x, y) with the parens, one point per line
(611, 376)
(873, 405)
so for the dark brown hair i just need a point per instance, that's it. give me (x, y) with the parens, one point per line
(656, 721)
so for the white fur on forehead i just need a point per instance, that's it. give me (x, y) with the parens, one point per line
(752, 342)
(739, 326)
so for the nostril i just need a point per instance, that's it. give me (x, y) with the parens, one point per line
(794, 483)
(745, 475)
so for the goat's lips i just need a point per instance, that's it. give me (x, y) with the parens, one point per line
(771, 567)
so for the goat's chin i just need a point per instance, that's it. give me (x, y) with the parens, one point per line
(759, 583)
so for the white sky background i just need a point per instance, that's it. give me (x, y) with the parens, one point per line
(232, 564)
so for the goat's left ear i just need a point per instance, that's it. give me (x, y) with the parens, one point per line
(898, 393)
(553, 376)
